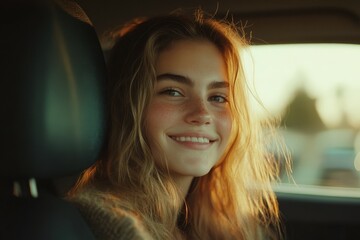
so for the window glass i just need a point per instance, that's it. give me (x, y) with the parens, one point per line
(315, 90)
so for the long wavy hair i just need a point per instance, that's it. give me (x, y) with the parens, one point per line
(235, 199)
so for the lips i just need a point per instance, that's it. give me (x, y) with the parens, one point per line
(191, 139)
(193, 142)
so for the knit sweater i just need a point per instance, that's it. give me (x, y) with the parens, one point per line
(107, 220)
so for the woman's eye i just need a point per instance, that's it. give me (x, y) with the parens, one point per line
(218, 99)
(171, 92)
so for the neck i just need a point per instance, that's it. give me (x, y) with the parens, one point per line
(183, 183)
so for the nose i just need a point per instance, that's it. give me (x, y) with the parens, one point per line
(198, 113)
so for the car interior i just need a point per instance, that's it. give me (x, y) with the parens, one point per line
(53, 77)
(303, 57)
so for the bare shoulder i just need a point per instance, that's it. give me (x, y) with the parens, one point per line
(107, 218)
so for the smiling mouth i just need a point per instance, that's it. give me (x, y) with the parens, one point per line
(192, 139)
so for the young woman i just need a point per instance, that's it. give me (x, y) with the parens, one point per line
(184, 158)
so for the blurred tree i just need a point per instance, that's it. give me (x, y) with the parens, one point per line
(301, 114)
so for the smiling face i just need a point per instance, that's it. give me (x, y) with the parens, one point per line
(188, 120)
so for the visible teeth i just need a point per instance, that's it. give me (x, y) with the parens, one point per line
(192, 139)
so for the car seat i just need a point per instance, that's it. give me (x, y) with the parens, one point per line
(52, 115)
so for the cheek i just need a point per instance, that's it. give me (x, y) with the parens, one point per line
(158, 117)
(225, 125)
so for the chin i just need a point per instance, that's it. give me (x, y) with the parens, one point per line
(200, 172)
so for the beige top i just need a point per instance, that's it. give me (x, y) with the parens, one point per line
(106, 220)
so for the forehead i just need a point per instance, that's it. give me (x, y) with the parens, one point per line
(192, 58)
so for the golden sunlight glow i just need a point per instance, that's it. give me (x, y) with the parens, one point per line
(328, 73)
(315, 90)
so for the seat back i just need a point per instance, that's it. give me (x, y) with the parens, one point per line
(52, 102)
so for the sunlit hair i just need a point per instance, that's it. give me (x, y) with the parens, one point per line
(234, 200)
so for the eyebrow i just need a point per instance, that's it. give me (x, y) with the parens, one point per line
(189, 82)
(176, 78)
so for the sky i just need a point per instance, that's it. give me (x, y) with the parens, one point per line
(328, 73)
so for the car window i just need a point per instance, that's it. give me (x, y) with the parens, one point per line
(315, 91)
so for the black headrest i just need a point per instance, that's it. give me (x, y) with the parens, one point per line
(52, 75)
